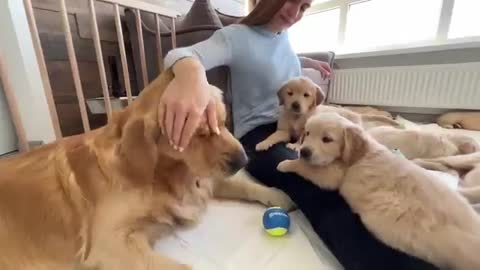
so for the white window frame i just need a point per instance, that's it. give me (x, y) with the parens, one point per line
(440, 42)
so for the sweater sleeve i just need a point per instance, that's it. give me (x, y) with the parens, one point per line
(213, 52)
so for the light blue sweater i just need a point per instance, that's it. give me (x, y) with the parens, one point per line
(260, 63)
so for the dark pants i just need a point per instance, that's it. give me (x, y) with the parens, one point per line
(331, 217)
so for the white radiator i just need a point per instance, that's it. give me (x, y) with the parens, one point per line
(450, 86)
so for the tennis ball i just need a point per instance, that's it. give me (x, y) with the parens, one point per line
(276, 221)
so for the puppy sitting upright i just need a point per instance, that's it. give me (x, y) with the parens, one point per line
(298, 99)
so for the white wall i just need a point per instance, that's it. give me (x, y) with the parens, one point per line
(232, 7)
(17, 48)
(8, 138)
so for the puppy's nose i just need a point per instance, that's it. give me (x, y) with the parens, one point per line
(237, 161)
(305, 153)
(296, 106)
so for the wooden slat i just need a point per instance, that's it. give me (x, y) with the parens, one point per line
(123, 54)
(141, 47)
(141, 5)
(13, 106)
(43, 68)
(74, 66)
(159, 43)
(174, 34)
(99, 54)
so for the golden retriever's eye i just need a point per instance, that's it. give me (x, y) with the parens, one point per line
(290, 93)
(306, 95)
(307, 133)
(327, 139)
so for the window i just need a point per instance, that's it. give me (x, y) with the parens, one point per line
(357, 26)
(391, 22)
(316, 32)
(465, 19)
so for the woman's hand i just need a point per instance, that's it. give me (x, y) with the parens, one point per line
(183, 104)
(321, 66)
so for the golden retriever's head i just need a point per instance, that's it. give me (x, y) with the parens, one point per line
(329, 137)
(209, 154)
(147, 150)
(300, 95)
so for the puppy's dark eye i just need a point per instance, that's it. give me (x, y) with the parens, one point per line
(307, 133)
(290, 93)
(327, 139)
(306, 95)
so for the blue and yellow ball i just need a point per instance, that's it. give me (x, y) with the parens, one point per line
(276, 221)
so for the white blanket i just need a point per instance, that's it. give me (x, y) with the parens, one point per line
(230, 236)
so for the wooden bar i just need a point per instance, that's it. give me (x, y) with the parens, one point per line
(74, 66)
(174, 34)
(141, 48)
(159, 44)
(123, 54)
(43, 68)
(144, 6)
(13, 107)
(99, 54)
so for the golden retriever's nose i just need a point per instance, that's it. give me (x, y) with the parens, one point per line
(295, 106)
(237, 161)
(305, 153)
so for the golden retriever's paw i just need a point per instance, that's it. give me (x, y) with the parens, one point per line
(293, 146)
(285, 166)
(263, 146)
(275, 197)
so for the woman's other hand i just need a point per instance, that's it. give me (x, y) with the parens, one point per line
(321, 66)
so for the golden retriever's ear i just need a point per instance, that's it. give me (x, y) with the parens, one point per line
(319, 95)
(139, 148)
(280, 95)
(354, 146)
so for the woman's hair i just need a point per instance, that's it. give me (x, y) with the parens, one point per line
(263, 12)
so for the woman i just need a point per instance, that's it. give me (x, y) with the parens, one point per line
(260, 58)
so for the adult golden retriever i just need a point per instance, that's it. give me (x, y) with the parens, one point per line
(399, 202)
(98, 200)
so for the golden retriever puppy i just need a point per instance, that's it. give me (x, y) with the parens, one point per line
(298, 98)
(423, 143)
(402, 204)
(464, 120)
(363, 120)
(465, 166)
(99, 200)
(368, 110)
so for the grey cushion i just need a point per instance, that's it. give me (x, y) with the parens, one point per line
(201, 13)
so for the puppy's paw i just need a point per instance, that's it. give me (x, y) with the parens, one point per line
(263, 146)
(285, 166)
(293, 146)
(275, 197)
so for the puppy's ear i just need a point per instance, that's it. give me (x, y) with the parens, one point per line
(319, 95)
(281, 94)
(354, 146)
